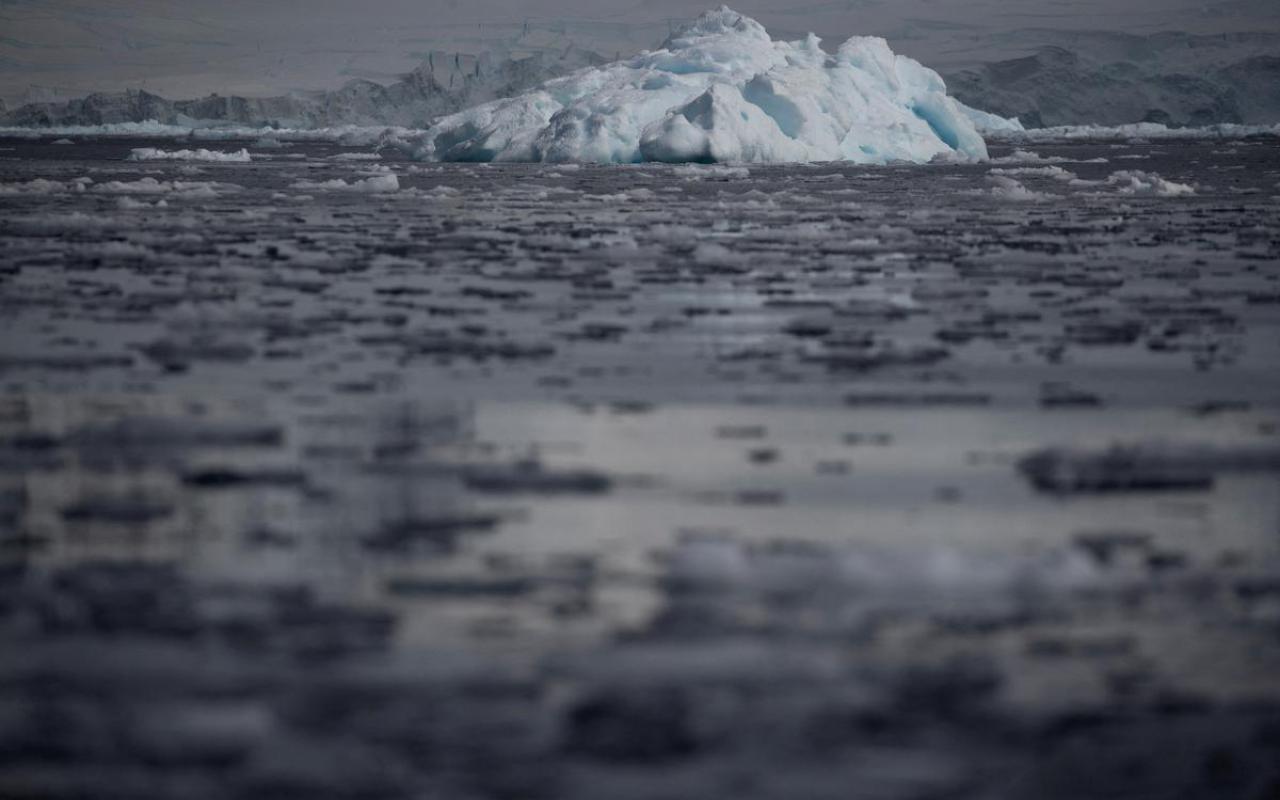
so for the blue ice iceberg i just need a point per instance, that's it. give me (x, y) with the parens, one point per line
(720, 90)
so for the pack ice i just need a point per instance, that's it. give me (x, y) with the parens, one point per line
(721, 90)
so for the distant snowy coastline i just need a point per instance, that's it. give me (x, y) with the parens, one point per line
(355, 135)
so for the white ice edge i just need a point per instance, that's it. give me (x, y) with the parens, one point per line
(1139, 130)
(359, 135)
(240, 156)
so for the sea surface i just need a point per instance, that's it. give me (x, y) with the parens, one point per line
(525, 481)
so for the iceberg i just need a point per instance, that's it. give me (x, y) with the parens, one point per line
(721, 90)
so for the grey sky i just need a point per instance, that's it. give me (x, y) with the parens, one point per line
(189, 47)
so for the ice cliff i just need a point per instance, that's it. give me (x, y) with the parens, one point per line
(721, 90)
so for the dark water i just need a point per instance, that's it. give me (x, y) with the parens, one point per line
(640, 482)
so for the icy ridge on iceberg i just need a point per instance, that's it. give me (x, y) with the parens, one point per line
(720, 90)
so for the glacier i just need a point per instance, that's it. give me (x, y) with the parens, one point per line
(721, 90)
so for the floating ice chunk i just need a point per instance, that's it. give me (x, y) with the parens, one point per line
(44, 186)
(1140, 130)
(129, 204)
(700, 172)
(1057, 173)
(1147, 183)
(58, 223)
(1027, 157)
(188, 189)
(376, 183)
(240, 156)
(721, 90)
(442, 192)
(1009, 189)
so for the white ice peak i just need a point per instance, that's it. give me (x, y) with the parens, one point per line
(716, 22)
(720, 89)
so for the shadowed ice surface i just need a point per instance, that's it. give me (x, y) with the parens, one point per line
(326, 475)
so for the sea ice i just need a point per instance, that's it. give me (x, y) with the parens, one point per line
(1147, 183)
(201, 154)
(720, 90)
(1139, 130)
(1010, 189)
(44, 186)
(190, 189)
(1057, 173)
(376, 183)
(129, 204)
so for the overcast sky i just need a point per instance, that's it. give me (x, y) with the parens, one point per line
(189, 47)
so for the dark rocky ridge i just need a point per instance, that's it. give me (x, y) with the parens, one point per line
(1115, 79)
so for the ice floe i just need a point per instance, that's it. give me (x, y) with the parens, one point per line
(375, 183)
(1009, 189)
(1140, 130)
(44, 186)
(156, 154)
(1147, 183)
(190, 189)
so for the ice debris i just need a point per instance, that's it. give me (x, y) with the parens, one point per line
(202, 190)
(1009, 189)
(376, 183)
(1147, 183)
(721, 90)
(1139, 130)
(240, 156)
(44, 186)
